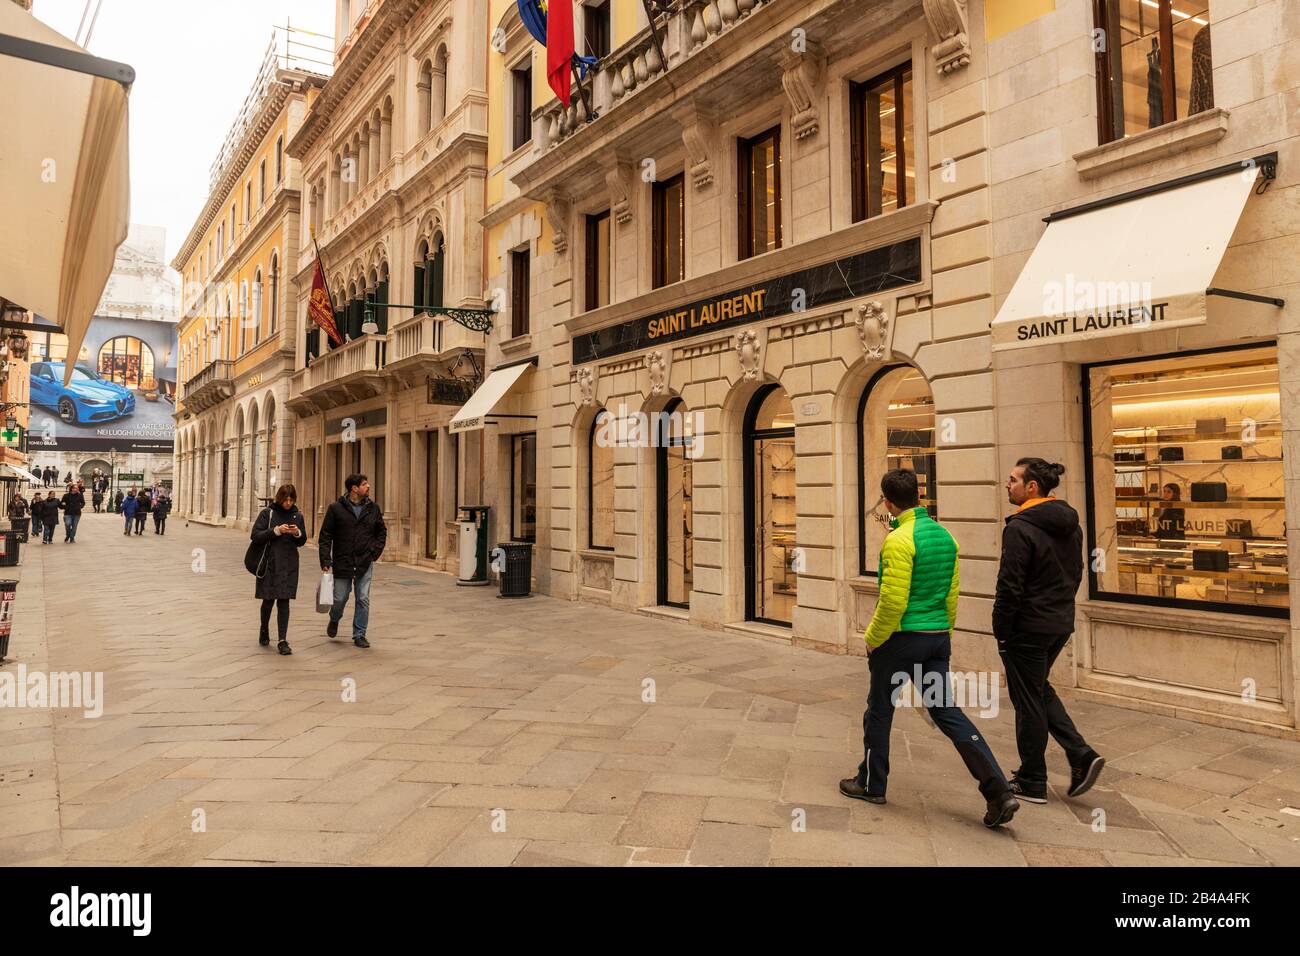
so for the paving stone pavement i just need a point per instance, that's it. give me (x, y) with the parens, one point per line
(498, 732)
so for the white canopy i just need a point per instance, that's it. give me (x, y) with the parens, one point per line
(22, 473)
(64, 185)
(473, 413)
(1145, 263)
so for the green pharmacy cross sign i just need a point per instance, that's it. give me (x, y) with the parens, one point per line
(11, 437)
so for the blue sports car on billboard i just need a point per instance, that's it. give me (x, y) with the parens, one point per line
(87, 398)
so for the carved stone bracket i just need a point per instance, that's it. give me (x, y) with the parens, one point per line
(558, 210)
(586, 385)
(750, 352)
(619, 180)
(802, 75)
(658, 367)
(948, 19)
(700, 137)
(874, 324)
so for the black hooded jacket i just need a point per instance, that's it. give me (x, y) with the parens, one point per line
(349, 544)
(1042, 565)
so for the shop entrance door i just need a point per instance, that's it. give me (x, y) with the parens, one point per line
(676, 522)
(771, 565)
(225, 478)
(430, 494)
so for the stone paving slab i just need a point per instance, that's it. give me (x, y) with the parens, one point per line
(493, 733)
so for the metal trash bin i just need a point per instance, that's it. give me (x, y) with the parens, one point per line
(8, 591)
(517, 577)
(10, 545)
(22, 526)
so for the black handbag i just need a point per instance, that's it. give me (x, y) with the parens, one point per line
(1239, 528)
(1130, 455)
(1210, 560)
(255, 560)
(1211, 426)
(1172, 453)
(1209, 491)
(1230, 453)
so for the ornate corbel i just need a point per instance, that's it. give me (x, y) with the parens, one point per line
(749, 350)
(700, 137)
(658, 368)
(619, 180)
(558, 210)
(586, 385)
(802, 75)
(948, 19)
(874, 325)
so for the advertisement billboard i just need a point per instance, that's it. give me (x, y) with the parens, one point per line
(122, 393)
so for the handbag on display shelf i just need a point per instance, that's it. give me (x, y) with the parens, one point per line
(1210, 560)
(1230, 453)
(1128, 455)
(1239, 528)
(1209, 491)
(1171, 453)
(1211, 426)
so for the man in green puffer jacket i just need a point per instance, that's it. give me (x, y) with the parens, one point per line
(909, 639)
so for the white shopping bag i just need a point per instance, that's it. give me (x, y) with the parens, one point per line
(325, 593)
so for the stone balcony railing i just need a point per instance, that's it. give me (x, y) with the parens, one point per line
(686, 29)
(212, 385)
(367, 354)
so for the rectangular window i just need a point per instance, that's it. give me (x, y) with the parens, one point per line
(595, 29)
(880, 130)
(261, 183)
(1185, 483)
(759, 193)
(522, 100)
(668, 231)
(519, 294)
(1154, 66)
(523, 487)
(598, 260)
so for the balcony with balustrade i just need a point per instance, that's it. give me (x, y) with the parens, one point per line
(352, 372)
(210, 387)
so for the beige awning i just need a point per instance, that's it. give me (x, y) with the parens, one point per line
(474, 413)
(22, 474)
(1138, 265)
(64, 185)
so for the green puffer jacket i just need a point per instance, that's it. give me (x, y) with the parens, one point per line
(918, 579)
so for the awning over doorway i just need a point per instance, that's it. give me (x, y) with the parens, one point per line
(474, 413)
(1111, 268)
(64, 185)
(22, 474)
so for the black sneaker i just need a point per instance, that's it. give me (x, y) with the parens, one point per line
(850, 787)
(264, 637)
(360, 642)
(332, 629)
(1027, 792)
(1001, 810)
(285, 649)
(1085, 775)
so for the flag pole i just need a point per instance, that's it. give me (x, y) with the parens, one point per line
(316, 246)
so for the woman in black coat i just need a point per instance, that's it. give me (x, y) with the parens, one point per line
(280, 528)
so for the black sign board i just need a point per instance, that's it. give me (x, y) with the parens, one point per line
(358, 420)
(450, 391)
(865, 273)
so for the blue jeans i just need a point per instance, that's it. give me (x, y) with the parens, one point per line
(48, 536)
(892, 664)
(70, 526)
(361, 614)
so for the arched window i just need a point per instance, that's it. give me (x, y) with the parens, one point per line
(424, 97)
(127, 361)
(771, 567)
(600, 483)
(279, 160)
(438, 97)
(256, 318)
(675, 511)
(896, 429)
(243, 318)
(275, 292)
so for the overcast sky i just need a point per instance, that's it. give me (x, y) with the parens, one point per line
(194, 61)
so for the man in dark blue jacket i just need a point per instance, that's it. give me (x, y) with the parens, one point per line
(352, 537)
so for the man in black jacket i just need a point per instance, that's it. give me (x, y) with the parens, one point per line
(74, 502)
(1033, 617)
(352, 537)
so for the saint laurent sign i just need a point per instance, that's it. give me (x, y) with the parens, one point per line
(1138, 317)
(866, 273)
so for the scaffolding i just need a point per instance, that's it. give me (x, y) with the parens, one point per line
(291, 49)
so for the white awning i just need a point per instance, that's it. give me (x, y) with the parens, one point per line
(64, 184)
(1138, 265)
(473, 413)
(22, 473)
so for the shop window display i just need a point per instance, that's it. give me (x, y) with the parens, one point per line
(771, 562)
(600, 487)
(1187, 503)
(523, 506)
(896, 429)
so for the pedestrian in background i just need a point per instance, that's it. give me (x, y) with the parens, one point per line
(97, 498)
(352, 537)
(1033, 618)
(74, 502)
(142, 512)
(117, 502)
(161, 508)
(49, 518)
(19, 519)
(129, 507)
(281, 530)
(910, 633)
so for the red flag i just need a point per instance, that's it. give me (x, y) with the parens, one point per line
(319, 307)
(559, 47)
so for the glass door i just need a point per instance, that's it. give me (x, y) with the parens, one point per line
(676, 552)
(431, 494)
(771, 564)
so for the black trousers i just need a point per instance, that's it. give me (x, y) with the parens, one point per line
(159, 522)
(139, 522)
(1028, 659)
(281, 617)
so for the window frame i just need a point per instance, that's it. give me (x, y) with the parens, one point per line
(745, 243)
(516, 441)
(859, 160)
(591, 485)
(595, 250)
(658, 223)
(520, 293)
(600, 14)
(1094, 592)
(521, 88)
